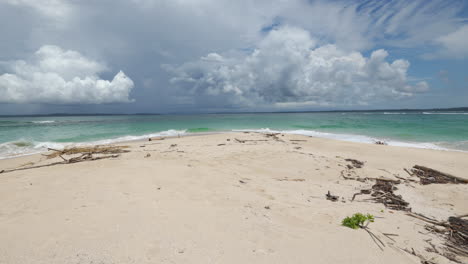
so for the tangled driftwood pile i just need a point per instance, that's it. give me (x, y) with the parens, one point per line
(455, 231)
(87, 150)
(382, 192)
(458, 237)
(87, 154)
(430, 176)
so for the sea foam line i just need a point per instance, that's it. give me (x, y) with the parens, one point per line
(350, 138)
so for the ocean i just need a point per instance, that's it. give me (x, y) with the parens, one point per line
(431, 129)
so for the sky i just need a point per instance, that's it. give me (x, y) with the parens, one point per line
(201, 56)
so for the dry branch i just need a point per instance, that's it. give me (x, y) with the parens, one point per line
(86, 155)
(90, 150)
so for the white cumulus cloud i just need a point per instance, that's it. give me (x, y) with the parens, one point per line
(56, 76)
(287, 68)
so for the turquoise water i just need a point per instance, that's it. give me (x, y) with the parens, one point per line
(20, 135)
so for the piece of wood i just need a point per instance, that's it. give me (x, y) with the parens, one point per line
(332, 197)
(426, 219)
(407, 171)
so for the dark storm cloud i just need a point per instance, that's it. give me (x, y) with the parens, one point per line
(139, 36)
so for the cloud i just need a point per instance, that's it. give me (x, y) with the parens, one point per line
(139, 35)
(56, 76)
(287, 67)
(57, 9)
(455, 44)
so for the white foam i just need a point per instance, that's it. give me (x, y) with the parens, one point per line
(350, 138)
(438, 113)
(44, 122)
(16, 148)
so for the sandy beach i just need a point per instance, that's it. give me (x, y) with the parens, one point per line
(227, 198)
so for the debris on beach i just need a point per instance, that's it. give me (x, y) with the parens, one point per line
(240, 141)
(87, 150)
(364, 191)
(273, 136)
(355, 163)
(383, 192)
(87, 154)
(431, 176)
(248, 140)
(379, 142)
(287, 179)
(455, 232)
(458, 238)
(332, 197)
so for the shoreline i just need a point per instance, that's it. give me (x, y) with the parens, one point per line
(307, 133)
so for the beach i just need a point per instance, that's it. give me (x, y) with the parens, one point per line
(237, 197)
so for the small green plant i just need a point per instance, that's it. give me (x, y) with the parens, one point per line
(357, 221)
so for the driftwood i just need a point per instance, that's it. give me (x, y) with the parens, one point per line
(361, 192)
(332, 197)
(455, 230)
(89, 150)
(86, 155)
(355, 163)
(273, 136)
(374, 238)
(407, 171)
(457, 241)
(382, 192)
(430, 176)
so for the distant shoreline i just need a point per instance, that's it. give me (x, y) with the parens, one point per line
(452, 109)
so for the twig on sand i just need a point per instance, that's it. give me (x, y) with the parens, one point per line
(240, 141)
(389, 236)
(374, 238)
(407, 171)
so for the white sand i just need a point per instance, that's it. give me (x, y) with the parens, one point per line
(186, 204)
